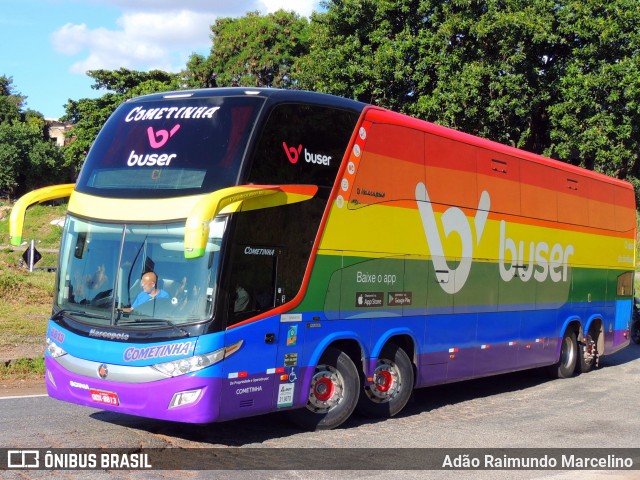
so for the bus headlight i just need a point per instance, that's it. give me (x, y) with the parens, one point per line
(183, 366)
(54, 350)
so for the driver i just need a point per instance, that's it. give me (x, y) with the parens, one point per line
(149, 291)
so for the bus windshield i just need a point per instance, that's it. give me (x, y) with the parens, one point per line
(106, 271)
(170, 147)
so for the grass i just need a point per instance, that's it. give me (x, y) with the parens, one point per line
(26, 297)
(22, 368)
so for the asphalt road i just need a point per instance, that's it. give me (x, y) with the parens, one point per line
(524, 410)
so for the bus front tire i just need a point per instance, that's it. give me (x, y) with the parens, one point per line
(392, 385)
(566, 366)
(333, 393)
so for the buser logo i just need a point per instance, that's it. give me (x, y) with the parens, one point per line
(543, 260)
(293, 154)
(453, 220)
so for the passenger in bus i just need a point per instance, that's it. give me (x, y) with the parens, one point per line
(241, 300)
(149, 291)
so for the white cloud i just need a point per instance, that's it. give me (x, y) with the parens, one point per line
(157, 33)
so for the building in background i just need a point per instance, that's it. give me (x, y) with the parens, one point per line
(58, 130)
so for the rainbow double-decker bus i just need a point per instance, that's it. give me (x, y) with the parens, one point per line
(232, 252)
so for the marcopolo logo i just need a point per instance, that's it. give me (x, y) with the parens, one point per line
(293, 154)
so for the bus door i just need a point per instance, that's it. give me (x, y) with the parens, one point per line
(249, 375)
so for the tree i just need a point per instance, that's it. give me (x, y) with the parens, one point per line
(252, 51)
(10, 101)
(28, 158)
(559, 78)
(595, 122)
(89, 115)
(364, 49)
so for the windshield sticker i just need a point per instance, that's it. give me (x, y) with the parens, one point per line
(139, 114)
(285, 395)
(293, 155)
(292, 336)
(150, 159)
(159, 138)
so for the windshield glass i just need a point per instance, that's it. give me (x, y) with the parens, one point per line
(136, 274)
(170, 147)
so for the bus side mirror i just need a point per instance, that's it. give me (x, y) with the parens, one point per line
(16, 219)
(234, 199)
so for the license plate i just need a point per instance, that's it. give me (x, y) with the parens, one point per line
(101, 396)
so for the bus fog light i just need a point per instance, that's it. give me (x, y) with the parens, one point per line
(184, 398)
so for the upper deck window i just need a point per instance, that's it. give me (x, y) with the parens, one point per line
(171, 147)
(301, 144)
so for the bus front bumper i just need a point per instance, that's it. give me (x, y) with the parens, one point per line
(187, 398)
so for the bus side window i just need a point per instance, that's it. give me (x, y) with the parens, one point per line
(252, 285)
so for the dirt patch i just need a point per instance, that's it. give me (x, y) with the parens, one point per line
(16, 348)
(31, 348)
(10, 387)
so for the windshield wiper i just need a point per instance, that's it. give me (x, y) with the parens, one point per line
(152, 321)
(60, 313)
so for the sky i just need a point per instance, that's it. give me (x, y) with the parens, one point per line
(46, 46)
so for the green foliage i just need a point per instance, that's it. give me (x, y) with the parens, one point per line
(595, 122)
(131, 83)
(26, 297)
(22, 368)
(254, 50)
(364, 49)
(27, 160)
(10, 101)
(560, 78)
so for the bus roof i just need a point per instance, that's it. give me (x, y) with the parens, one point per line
(274, 94)
(377, 114)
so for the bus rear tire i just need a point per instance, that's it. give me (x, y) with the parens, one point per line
(588, 354)
(392, 385)
(333, 393)
(566, 366)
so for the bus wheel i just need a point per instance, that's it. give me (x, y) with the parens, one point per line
(588, 354)
(392, 384)
(333, 394)
(566, 366)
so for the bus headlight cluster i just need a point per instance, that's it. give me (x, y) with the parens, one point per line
(54, 350)
(183, 366)
(191, 364)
